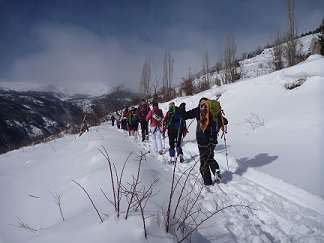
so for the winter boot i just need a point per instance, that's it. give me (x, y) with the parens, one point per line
(181, 158)
(172, 160)
(218, 177)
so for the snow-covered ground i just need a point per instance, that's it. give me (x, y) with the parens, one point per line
(280, 131)
(274, 142)
(31, 175)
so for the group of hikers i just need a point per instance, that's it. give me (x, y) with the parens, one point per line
(210, 121)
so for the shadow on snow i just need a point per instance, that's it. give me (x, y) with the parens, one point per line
(245, 163)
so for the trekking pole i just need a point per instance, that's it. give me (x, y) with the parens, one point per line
(163, 137)
(190, 123)
(226, 154)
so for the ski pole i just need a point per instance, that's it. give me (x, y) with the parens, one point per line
(226, 154)
(190, 123)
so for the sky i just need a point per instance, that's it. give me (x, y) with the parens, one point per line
(93, 46)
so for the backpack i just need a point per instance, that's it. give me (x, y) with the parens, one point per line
(174, 119)
(143, 110)
(157, 115)
(214, 109)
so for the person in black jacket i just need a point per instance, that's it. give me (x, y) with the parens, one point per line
(206, 135)
(175, 124)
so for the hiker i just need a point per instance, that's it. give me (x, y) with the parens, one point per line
(141, 114)
(118, 119)
(182, 109)
(124, 119)
(84, 126)
(176, 125)
(209, 122)
(132, 122)
(112, 120)
(155, 117)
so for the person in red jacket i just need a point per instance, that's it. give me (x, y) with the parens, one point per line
(155, 116)
(142, 112)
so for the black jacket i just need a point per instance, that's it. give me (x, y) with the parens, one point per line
(210, 135)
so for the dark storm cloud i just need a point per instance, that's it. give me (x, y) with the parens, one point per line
(104, 43)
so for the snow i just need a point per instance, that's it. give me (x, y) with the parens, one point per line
(30, 175)
(275, 160)
(293, 123)
(263, 63)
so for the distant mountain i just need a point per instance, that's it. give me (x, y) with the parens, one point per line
(31, 116)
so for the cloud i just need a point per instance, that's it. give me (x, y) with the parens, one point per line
(78, 60)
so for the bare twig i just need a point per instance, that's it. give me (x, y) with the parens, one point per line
(207, 218)
(58, 200)
(142, 213)
(22, 225)
(106, 155)
(135, 183)
(182, 188)
(167, 226)
(94, 206)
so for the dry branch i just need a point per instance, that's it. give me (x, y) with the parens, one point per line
(94, 206)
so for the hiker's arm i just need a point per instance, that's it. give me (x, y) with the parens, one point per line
(191, 113)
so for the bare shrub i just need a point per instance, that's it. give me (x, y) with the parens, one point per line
(277, 52)
(135, 193)
(184, 214)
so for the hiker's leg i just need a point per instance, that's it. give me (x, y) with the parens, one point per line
(204, 168)
(153, 140)
(158, 140)
(171, 143)
(211, 161)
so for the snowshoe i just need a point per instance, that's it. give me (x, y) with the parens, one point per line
(218, 177)
(172, 160)
(181, 158)
(208, 188)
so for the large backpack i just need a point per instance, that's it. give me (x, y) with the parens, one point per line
(174, 120)
(143, 110)
(214, 109)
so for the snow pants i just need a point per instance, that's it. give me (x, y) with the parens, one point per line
(156, 139)
(144, 129)
(207, 162)
(174, 142)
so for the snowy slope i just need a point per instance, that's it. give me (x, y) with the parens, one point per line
(268, 144)
(263, 63)
(280, 131)
(29, 175)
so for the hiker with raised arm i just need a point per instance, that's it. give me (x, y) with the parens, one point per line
(209, 122)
